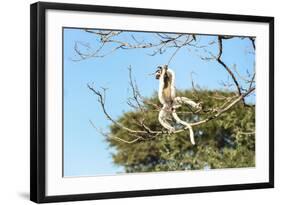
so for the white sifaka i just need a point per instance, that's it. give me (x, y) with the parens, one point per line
(169, 101)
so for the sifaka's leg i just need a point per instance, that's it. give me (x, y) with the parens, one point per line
(184, 100)
(162, 118)
(187, 125)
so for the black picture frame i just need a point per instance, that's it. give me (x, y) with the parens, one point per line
(38, 101)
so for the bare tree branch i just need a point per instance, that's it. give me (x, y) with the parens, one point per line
(147, 132)
(221, 62)
(162, 42)
(252, 39)
(135, 91)
(114, 137)
(224, 109)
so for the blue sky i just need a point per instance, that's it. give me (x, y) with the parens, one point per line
(85, 151)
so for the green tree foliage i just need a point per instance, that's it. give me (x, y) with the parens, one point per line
(225, 142)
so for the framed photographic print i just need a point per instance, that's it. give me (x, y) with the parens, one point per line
(129, 102)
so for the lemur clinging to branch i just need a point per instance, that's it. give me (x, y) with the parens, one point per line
(167, 97)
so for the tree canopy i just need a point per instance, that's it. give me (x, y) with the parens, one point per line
(226, 142)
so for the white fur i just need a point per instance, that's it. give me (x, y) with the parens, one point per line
(162, 118)
(178, 101)
(168, 109)
(161, 86)
(178, 120)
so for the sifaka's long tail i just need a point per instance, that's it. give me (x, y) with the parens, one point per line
(178, 120)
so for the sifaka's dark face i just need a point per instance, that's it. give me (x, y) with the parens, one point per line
(158, 72)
